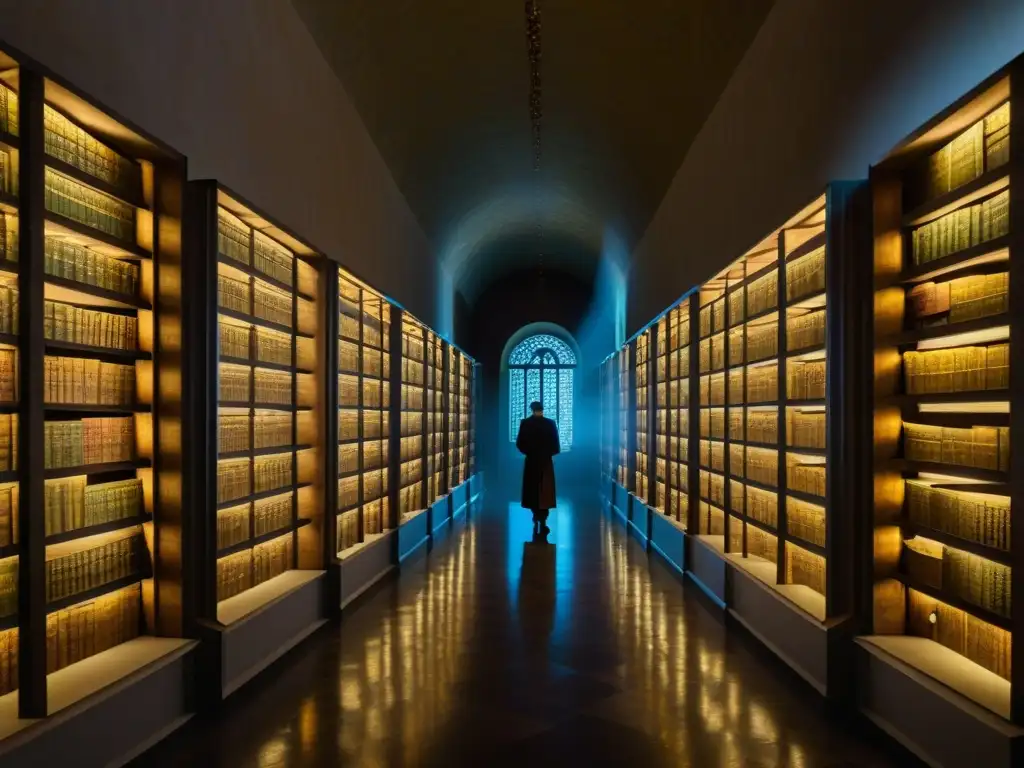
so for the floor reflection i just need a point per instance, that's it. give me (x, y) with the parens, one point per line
(501, 648)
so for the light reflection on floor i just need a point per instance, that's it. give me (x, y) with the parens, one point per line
(495, 649)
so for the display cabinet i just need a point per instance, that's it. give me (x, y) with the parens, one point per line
(946, 485)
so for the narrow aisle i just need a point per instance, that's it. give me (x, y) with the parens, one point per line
(493, 649)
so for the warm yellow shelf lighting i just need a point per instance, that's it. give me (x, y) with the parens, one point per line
(812, 302)
(983, 336)
(1000, 254)
(1002, 406)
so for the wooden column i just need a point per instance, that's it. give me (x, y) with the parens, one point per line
(31, 524)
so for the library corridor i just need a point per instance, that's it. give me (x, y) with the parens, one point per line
(496, 649)
(306, 304)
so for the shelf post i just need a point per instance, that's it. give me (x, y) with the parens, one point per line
(781, 417)
(693, 419)
(1016, 318)
(173, 400)
(329, 311)
(200, 390)
(32, 700)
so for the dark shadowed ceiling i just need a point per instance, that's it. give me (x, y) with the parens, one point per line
(443, 89)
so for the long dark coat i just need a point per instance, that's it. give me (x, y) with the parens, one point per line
(538, 442)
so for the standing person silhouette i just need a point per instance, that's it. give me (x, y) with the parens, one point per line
(538, 442)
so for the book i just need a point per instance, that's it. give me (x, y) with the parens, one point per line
(806, 568)
(89, 207)
(805, 275)
(968, 226)
(61, 256)
(91, 627)
(68, 573)
(805, 521)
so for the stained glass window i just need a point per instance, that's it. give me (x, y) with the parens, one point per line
(541, 368)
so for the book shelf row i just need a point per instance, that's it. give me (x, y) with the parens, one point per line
(172, 361)
(839, 427)
(389, 474)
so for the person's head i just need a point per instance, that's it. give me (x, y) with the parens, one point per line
(537, 408)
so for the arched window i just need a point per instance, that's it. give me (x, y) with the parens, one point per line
(541, 367)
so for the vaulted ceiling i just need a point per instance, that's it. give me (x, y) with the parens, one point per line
(443, 88)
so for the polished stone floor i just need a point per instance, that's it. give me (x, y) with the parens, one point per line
(495, 649)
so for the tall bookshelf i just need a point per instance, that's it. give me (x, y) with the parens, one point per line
(465, 388)
(364, 372)
(10, 439)
(435, 473)
(946, 485)
(608, 418)
(641, 400)
(624, 395)
(709, 349)
(678, 407)
(411, 486)
(269, 409)
(451, 467)
(768, 406)
(90, 471)
(471, 405)
(661, 421)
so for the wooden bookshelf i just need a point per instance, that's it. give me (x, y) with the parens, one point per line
(472, 384)
(767, 406)
(364, 414)
(411, 485)
(660, 500)
(679, 379)
(641, 401)
(451, 417)
(435, 474)
(465, 381)
(88, 516)
(942, 558)
(269, 439)
(708, 348)
(624, 396)
(609, 381)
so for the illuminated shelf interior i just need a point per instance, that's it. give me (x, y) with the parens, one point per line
(622, 409)
(92, 287)
(412, 492)
(942, 375)
(268, 434)
(364, 416)
(641, 400)
(761, 359)
(435, 418)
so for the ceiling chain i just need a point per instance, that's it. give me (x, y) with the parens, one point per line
(533, 50)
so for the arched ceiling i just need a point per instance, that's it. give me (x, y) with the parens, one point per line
(443, 88)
